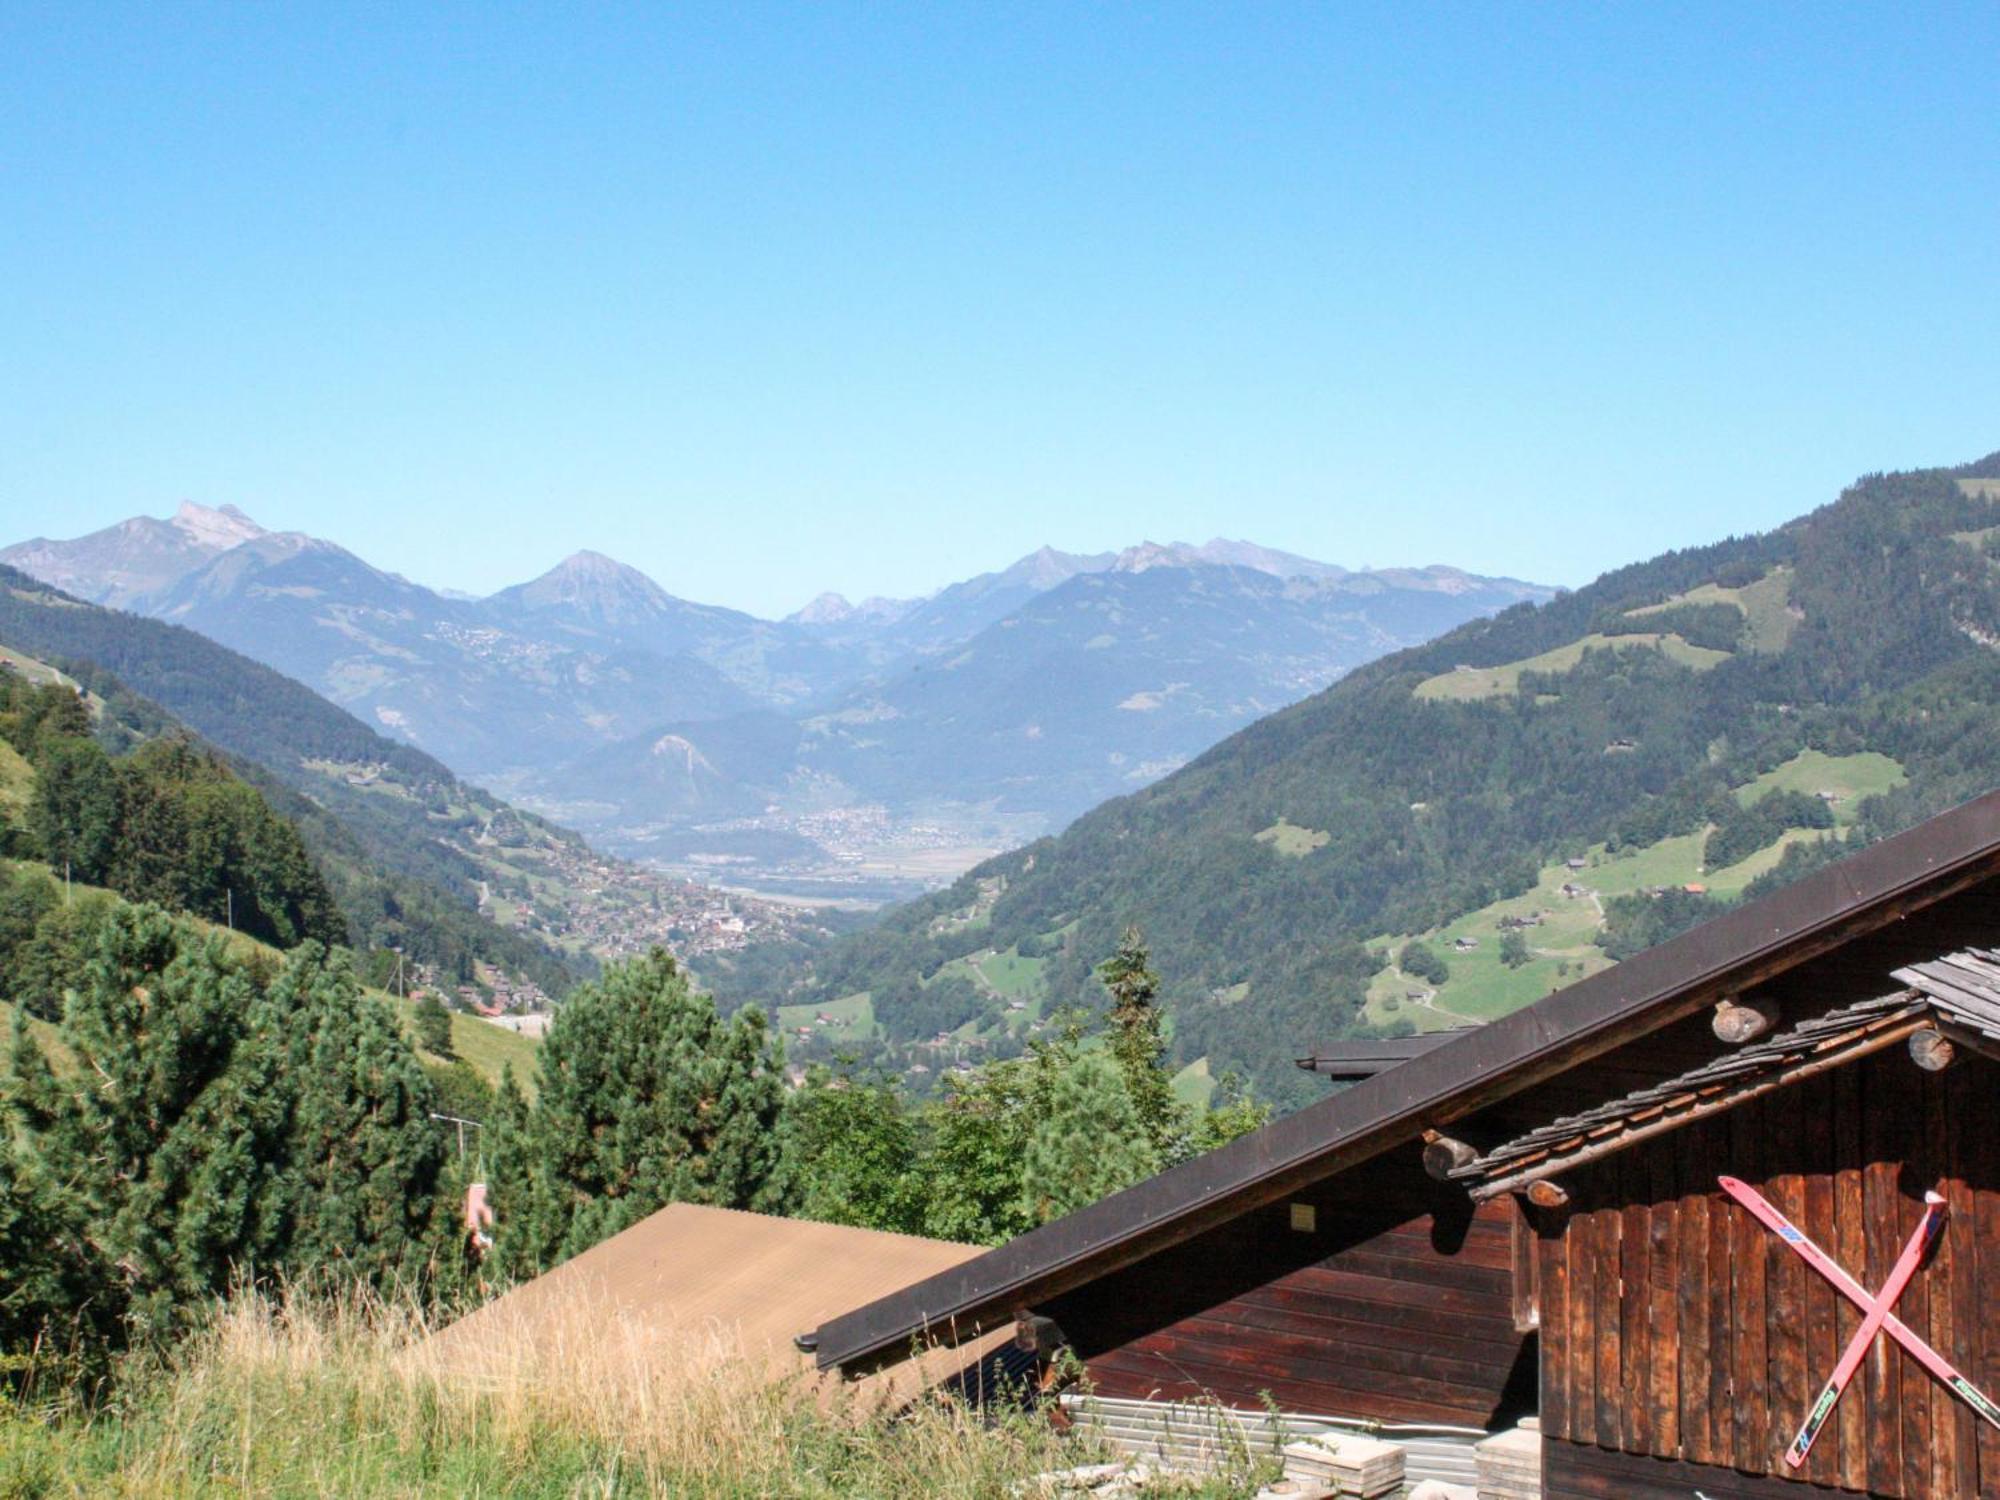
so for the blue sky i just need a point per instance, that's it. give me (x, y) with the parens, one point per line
(771, 299)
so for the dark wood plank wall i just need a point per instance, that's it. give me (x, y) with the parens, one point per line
(1398, 1306)
(1675, 1326)
(1571, 1471)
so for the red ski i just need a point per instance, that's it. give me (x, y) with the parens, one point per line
(1857, 1347)
(1854, 1292)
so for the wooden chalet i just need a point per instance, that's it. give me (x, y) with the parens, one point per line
(1527, 1222)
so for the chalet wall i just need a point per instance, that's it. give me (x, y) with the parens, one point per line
(1674, 1326)
(1571, 1471)
(1397, 1305)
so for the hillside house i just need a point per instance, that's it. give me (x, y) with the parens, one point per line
(1528, 1220)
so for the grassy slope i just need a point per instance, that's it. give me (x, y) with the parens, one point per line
(17, 784)
(1765, 606)
(1563, 946)
(856, 1011)
(489, 1048)
(379, 852)
(41, 1032)
(1468, 685)
(1289, 839)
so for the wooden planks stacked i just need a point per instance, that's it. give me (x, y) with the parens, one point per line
(1510, 1465)
(1347, 1466)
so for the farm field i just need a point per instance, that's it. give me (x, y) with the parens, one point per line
(1195, 1085)
(1765, 606)
(857, 1012)
(1468, 684)
(1290, 839)
(490, 1049)
(1562, 944)
(1850, 778)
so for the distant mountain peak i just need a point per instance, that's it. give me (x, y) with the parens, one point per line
(1149, 555)
(216, 527)
(1046, 567)
(591, 575)
(588, 560)
(827, 609)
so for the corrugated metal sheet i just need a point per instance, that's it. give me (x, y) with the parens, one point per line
(690, 1276)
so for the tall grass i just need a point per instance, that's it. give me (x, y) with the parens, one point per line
(347, 1396)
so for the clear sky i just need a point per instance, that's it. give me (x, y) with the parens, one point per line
(769, 299)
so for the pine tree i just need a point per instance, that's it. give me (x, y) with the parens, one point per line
(1140, 1046)
(74, 815)
(850, 1150)
(434, 1027)
(646, 1097)
(169, 1128)
(1089, 1142)
(51, 1280)
(365, 1156)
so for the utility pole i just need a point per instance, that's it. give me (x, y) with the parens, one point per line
(229, 906)
(461, 1124)
(402, 990)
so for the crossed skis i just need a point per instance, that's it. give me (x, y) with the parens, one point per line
(1876, 1310)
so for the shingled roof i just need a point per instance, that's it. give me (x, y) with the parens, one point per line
(1958, 995)
(1739, 949)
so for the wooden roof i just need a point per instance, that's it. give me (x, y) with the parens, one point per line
(713, 1284)
(1839, 1036)
(1737, 950)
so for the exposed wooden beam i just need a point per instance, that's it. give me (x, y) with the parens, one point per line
(1744, 1018)
(1967, 1039)
(1931, 1050)
(1443, 1155)
(1546, 1192)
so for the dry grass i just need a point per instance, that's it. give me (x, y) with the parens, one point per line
(305, 1397)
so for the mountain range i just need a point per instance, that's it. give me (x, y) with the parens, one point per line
(1455, 829)
(418, 859)
(994, 709)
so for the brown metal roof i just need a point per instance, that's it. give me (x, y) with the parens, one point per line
(1737, 949)
(1351, 1059)
(716, 1280)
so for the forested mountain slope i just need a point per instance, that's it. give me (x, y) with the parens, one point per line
(392, 829)
(1275, 874)
(104, 789)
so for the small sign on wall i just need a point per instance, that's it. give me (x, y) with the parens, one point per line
(1305, 1218)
